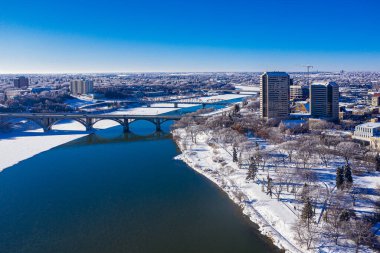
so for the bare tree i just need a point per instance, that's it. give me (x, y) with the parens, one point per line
(290, 147)
(338, 215)
(252, 171)
(275, 135)
(278, 188)
(354, 193)
(348, 150)
(331, 141)
(360, 232)
(334, 225)
(194, 131)
(306, 235)
(324, 154)
(287, 176)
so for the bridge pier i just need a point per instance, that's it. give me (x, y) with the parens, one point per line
(126, 125)
(158, 127)
(89, 123)
(157, 122)
(46, 123)
(175, 105)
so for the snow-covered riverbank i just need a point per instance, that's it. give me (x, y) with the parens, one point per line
(275, 216)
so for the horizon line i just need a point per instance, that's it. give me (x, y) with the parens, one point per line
(180, 72)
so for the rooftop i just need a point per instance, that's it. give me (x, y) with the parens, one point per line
(370, 125)
(274, 74)
(325, 83)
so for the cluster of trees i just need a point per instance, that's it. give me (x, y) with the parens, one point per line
(289, 169)
(37, 103)
(339, 224)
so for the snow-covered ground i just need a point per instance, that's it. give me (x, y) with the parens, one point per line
(144, 111)
(172, 105)
(274, 216)
(247, 88)
(221, 97)
(20, 145)
(76, 102)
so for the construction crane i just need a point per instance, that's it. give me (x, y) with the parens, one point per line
(308, 73)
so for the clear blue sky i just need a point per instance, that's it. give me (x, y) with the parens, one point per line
(145, 35)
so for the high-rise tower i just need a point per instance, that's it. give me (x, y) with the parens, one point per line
(274, 95)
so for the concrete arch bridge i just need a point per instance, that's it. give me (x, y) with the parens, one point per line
(47, 120)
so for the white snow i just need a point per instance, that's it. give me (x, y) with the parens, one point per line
(19, 145)
(248, 88)
(172, 105)
(275, 217)
(221, 97)
(144, 111)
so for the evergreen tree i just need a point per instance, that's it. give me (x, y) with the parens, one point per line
(346, 215)
(348, 176)
(307, 212)
(377, 159)
(236, 108)
(269, 186)
(339, 178)
(252, 171)
(234, 155)
(305, 192)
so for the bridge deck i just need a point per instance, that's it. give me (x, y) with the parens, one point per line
(97, 116)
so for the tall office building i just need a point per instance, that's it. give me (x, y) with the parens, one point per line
(274, 95)
(324, 100)
(78, 87)
(21, 82)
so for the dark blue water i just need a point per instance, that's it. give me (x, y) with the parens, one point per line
(115, 193)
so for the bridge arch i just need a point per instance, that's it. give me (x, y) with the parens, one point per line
(136, 120)
(55, 121)
(120, 121)
(156, 122)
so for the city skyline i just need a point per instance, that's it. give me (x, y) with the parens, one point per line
(150, 36)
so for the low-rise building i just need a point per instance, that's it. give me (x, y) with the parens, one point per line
(375, 99)
(10, 94)
(298, 92)
(368, 132)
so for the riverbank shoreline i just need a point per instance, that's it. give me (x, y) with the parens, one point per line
(203, 164)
